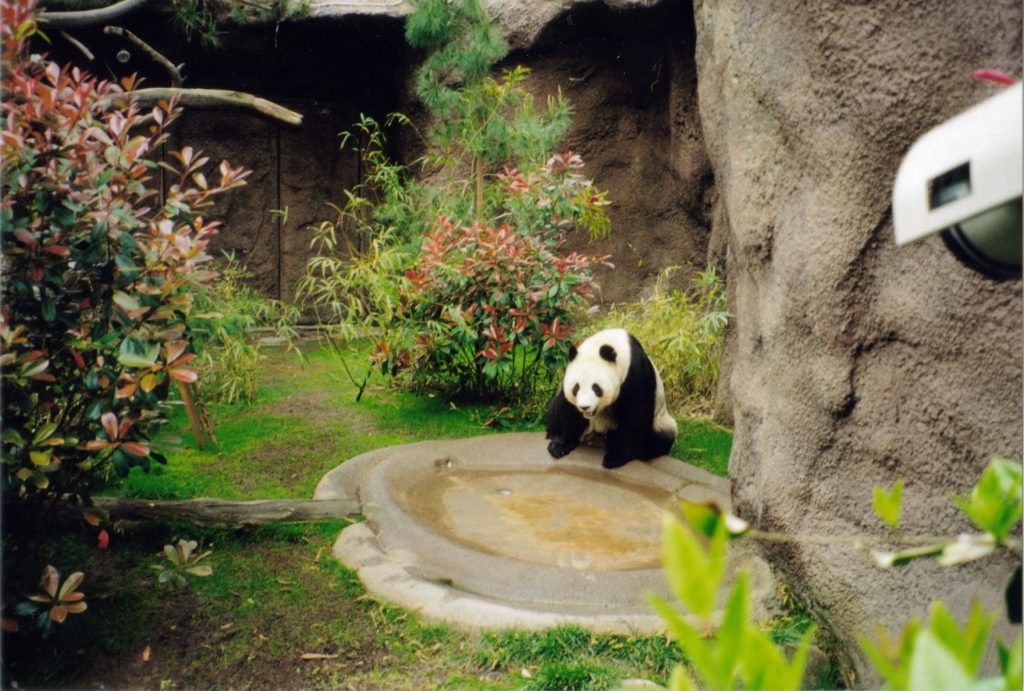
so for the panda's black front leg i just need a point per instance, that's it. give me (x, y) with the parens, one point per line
(565, 426)
(626, 442)
(619, 446)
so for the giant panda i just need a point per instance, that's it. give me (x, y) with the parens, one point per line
(612, 388)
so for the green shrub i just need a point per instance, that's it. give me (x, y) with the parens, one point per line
(228, 312)
(683, 332)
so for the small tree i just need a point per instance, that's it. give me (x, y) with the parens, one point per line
(462, 280)
(99, 275)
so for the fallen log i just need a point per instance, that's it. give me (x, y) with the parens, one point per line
(221, 513)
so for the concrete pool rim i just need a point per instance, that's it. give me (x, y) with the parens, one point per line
(400, 559)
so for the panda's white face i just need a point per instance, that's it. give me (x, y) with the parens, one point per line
(594, 376)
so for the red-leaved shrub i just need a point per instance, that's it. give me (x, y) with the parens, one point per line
(99, 272)
(487, 310)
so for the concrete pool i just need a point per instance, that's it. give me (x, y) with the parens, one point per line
(490, 532)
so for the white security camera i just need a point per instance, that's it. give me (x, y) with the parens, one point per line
(963, 179)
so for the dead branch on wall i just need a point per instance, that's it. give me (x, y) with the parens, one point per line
(192, 98)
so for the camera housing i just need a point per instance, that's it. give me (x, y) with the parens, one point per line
(963, 179)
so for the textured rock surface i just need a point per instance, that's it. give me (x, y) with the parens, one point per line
(320, 69)
(637, 127)
(521, 20)
(855, 362)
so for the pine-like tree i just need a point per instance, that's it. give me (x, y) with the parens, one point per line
(481, 122)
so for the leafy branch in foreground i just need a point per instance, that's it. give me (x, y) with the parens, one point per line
(101, 264)
(741, 654)
(994, 505)
(940, 655)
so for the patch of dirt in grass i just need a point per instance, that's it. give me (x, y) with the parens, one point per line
(284, 463)
(288, 466)
(246, 639)
(316, 406)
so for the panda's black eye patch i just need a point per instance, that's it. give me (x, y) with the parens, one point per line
(575, 389)
(607, 353)
(598, 391)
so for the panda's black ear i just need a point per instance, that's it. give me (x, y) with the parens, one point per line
(572, 352)
(607, 353)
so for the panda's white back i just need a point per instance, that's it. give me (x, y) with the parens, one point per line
(663, 420)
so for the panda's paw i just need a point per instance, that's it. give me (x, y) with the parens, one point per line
(559, 447)
(613, 460)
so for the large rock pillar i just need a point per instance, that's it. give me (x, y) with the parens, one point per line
(856, 362)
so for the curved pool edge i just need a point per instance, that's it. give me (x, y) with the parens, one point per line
(417, 568)
(358, 549)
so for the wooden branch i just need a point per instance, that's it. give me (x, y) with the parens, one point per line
(212, 98)
(220, 513)
(80, 18)
(79, 45)
(195, 420)
(155, 55)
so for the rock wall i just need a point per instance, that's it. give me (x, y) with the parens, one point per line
(855, 362)
(637, 127)
(636, 122)
(328, 70)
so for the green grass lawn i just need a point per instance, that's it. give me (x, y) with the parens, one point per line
(306, 421)
(276, 595)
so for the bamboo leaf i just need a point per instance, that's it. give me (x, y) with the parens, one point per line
(995, 502)
(694, 572)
